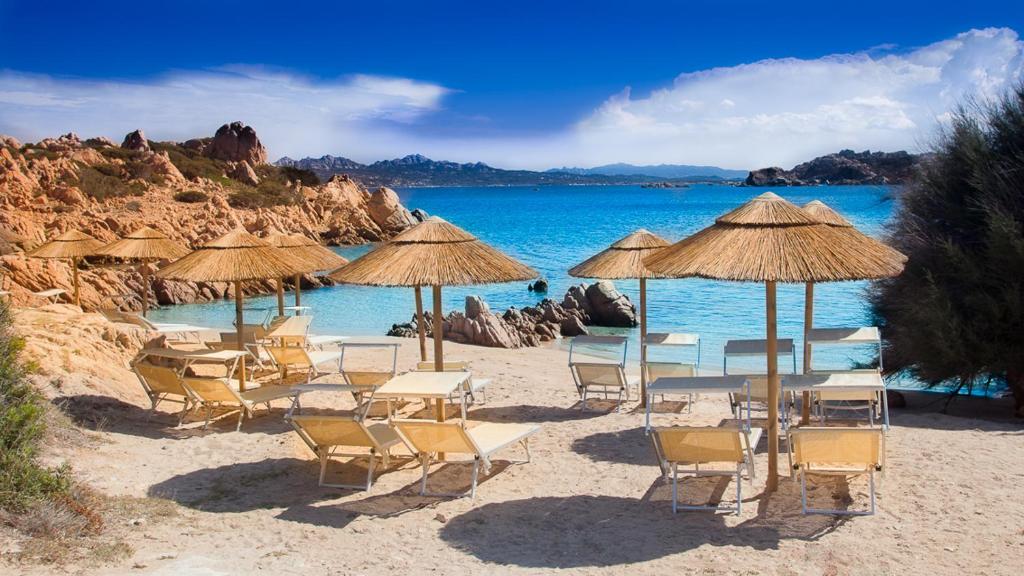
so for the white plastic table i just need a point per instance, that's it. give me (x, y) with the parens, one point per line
(696, 385)
(433, 385)
(854, 381)
(231, 358)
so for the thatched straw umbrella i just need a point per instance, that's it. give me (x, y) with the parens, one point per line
(624, 260)
(856, 240)
(313, 256)
(71, 245)
(770, 240)
(433, 253)
(145, 245)
(234, 257)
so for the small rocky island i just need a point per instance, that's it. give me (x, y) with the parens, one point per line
(599, 304)
(844, 168)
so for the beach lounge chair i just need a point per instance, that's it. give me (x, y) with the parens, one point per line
(600, 377)
(473, 385)
(759, 399)
(704, 446)
(162, 383)
(298, 358)
(427, 438)
(847, 400)
(325, 435)
(213, 393)
(50, 296)
(837, 452)
(655, 370)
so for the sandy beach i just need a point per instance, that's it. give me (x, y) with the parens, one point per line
(590, 501)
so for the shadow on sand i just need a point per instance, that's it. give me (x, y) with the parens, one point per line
(531, 413)
(102, 413)
(594, 531)
(630, 446)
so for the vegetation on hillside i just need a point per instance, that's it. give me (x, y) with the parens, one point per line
(956, 314)
(24, 482)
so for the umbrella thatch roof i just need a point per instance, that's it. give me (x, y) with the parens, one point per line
(853, 237)
(70, 244)
(433, 253)
(233, 257)
(144, 244)
(771, 240)
(622, 260)
(310, 251)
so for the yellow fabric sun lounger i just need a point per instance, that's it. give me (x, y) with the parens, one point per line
(706, 446)
(163, 383)
(428, 438)
(837, 452)
(299, 358)
(211, 393)
(326, 434)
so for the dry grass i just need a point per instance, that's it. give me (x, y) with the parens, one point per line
(622, 260)
(771, 240)
(433, 253)
(233, 257)
(84, 529)
(144, 244)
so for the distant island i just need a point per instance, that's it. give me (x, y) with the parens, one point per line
(416, 170)
(843, 168)
(672, 171)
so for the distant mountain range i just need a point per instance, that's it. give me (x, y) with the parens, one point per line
(658, 171)
(416, 170)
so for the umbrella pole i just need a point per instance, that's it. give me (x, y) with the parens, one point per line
(240, 328)
(438, 352)
(144, 269)
(298, 290)
(74, 280)
(773, 389)
(280, 296)
(420, 327)
(805, 404)
(643, 342)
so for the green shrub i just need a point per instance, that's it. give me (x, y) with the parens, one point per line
(956, 314)
(115, 153)
(100, 182)
(191, 196)
(306, 177)
(23, 481)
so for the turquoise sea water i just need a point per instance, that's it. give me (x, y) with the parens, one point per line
(553, 228)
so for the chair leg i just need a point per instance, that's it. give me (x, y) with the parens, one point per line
(323, 455)
(803, 491)
(241, 416)
(675, 487)
(425, 459)
(739, 490)
(583, 401)
(209, 414)
(476, 473)
(369, 471)
(871, 489)
(526, 446)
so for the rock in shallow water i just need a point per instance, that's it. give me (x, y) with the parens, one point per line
(583, 306)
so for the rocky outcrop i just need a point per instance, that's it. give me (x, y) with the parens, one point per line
(135, 141)
(42, 194)
(236, 142)
(243, 172)
(845, 168)
(598, 304)
(387, 211)
(80, 354)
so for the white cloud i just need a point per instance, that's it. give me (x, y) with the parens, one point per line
(771, 112)
(291, 113)
(784, 111)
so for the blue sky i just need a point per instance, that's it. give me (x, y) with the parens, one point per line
(529, 84)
